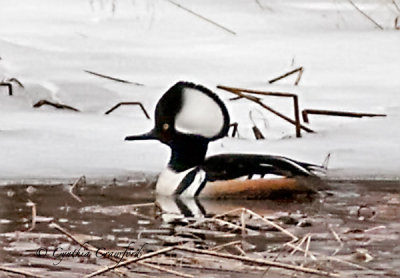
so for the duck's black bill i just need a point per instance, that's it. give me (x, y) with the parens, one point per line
(147, 136)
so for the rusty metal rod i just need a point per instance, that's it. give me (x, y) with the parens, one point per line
(306, 112)
(128, 103)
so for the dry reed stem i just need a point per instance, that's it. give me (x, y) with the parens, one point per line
(241, 93)
(42, 102)
(259, 261)
(94, 249)
(325, 257)
(20, 272)
(16, 81)
(297, 247)
(34, 214)
(338, 239)
(113, 78)
(221, 246)
(300, 73)
(74, 185)
(397, 6)
(307, 246)
(130, 261)
(286, 232)
(202, 17)
(241, 251)
(365, 15)
(9, 86)
(146, 114)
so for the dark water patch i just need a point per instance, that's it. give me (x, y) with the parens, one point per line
(353, 228)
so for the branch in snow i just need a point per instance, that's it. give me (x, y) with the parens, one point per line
(56, 105)
(239, 92)
(129, 103)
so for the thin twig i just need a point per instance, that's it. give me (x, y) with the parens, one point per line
(258, 261)
(336, 236)
(219, 247)
(397, 6)
(286, 232)
(331, 258)
(307, 112)
(34, 214)
(80, 181)
(240, 93)
(54, 104)
(20, 272)
(307, 246)
(298, 245)
(130, 261)
(202, 17)
(9, 86)
(16, 81)
(235, 129)
(113, 78)
(364, 14)
(128, 103)
(103, 252)
(300, 73)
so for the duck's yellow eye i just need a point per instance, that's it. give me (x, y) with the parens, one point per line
(165, 126)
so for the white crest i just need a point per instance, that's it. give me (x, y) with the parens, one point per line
(200, 114)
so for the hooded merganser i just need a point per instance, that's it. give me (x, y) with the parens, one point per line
(187, 118)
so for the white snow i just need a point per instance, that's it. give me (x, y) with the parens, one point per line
(350, 65)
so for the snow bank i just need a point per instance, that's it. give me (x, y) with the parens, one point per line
(350, 65)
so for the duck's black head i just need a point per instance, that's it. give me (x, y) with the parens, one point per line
(187, 118)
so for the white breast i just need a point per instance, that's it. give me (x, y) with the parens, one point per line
(169, 180)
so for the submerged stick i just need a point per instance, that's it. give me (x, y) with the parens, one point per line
(202, 17)
(364, 14)
(113, 78)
